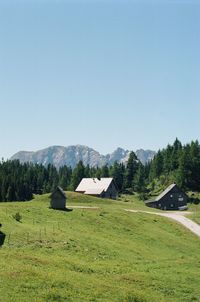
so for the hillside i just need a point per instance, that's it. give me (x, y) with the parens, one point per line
(103, 254)
(71, 155)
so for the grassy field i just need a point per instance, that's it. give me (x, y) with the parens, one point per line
(195, 209)
(103, 254)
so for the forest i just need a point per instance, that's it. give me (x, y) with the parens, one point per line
(176, 163)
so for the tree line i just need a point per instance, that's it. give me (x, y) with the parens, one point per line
(176, 163)
(18, 182)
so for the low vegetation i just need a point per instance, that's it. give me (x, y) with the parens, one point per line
(195, 206)
(102, 254)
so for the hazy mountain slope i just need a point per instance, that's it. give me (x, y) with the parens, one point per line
(71, 155)
(145, 155)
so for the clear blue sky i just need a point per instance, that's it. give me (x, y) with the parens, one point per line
(99, 73)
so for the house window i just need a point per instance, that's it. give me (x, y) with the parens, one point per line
(171, 195)
(171, 205)
(159, 205)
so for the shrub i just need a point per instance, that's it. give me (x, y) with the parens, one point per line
(143, 196)
(17, 216)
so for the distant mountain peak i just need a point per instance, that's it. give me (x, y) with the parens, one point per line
(71, 155)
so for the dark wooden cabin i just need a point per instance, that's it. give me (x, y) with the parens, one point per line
(58, 199)
(172, 198)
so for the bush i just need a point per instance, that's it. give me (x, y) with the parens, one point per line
(143, 196)
(17, 216)
(194, 200)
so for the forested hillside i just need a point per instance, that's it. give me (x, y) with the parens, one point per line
(176, 163)
(20, 181)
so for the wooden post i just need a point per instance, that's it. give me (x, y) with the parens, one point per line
(27, 238)
(40, 235)
(9, 235)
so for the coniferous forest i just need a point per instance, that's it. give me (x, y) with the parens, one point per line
(176, 163)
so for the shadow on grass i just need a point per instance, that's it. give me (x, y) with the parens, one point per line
(2, 238)
(63, 210)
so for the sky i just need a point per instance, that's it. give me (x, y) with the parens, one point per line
(105, 74)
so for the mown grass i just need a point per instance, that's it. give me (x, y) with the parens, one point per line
(103, 254)
(194, 207)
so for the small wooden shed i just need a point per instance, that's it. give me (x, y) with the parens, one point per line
(2, 237)
(58, 199)
(172, 198)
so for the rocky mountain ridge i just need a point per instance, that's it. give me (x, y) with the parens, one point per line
(71, 155)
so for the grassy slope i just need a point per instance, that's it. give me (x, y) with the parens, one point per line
(195, 208)
(96, 255)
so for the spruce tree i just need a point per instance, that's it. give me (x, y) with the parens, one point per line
(77, 175)
(131, 169)
(117, 172)
(139, 179)
(105, 171)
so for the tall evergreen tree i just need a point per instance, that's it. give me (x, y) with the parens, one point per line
(117, 172)
(139, 179)
(184, 172)
(131, 168)
(105, 171)
(77, 174)
(156, 167)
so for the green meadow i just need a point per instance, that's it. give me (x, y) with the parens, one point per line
(195, 209)
(101, 254)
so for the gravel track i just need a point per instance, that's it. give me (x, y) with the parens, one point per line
(177, 216)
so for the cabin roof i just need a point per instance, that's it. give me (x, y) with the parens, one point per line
(60, 190)
(94, 185)
(96, 191)
(167, 190)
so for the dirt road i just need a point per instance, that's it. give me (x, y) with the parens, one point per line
(177, 216)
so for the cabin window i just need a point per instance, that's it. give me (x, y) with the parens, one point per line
(159, 205)
(171, 195)
(171, 205)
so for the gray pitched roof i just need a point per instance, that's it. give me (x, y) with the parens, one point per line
(167, 190)
(59, 189)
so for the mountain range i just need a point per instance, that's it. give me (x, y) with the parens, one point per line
(71, 155)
